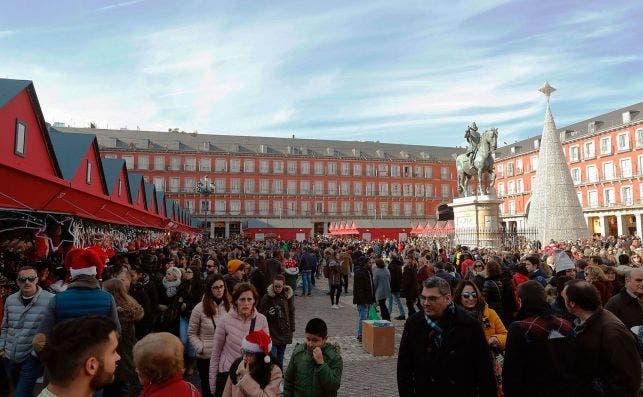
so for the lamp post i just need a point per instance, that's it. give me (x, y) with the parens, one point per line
(206, 188)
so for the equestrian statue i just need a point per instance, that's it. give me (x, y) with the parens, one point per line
(477, 160)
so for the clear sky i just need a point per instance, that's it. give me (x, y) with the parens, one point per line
(396, 71)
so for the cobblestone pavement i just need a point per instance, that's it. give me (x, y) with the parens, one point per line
(364, 375)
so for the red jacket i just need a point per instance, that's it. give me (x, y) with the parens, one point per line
(175, 387)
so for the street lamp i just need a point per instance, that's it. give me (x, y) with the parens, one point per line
(206, 188)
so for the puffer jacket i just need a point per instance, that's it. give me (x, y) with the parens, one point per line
(20, 324)
(304, 378)
(247, 386)
(280, 313)
(201, 329)
(227, 341)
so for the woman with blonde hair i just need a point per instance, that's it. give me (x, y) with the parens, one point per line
(129, 312)
(159, 364)
(595, 276)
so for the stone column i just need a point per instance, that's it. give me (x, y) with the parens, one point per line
(620, 224)
(604, 226)
(639, 224)
(227, 229)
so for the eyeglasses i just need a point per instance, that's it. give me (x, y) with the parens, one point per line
(469, 295)
(31, 279)
(218, 287)
(430, 298)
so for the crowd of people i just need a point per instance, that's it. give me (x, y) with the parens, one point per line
(563, 320)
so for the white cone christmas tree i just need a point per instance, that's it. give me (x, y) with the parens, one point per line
(554, 211)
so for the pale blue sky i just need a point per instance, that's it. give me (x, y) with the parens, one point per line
(396, 71)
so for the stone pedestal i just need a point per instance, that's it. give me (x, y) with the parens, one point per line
(476, 221)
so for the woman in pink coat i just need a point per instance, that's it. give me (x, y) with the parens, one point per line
(242, 319)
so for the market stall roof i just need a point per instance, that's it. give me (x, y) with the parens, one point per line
(113, 168)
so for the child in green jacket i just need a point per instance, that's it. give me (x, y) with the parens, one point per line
(315, 368)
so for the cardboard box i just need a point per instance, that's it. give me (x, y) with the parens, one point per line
(378, 340)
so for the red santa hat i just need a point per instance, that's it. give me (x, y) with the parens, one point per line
(84, 261)
(258, 342)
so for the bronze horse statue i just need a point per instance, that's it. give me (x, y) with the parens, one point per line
(482, 164)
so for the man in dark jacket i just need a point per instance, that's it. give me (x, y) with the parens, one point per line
(363, 295)
(608, 359)
(541, 350)
(626, 305)
(395, 268)
(443, 351)
(279, 309)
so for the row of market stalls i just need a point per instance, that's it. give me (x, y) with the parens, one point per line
(54, 180)
(433, 229)
(366, 229)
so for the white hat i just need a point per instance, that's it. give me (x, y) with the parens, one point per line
(562, 262)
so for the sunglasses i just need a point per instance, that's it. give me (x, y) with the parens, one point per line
(31, 279)
(469, 295)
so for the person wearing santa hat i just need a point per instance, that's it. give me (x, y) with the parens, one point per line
(257, 373)
(83, 296)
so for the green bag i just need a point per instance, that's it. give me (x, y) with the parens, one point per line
(372, 314)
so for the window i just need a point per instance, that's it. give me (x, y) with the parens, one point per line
(175, 184)
(175, 164)
(332, 188)
(444, 172)
(88, 172)
(383, 209)
(428, 172)
(346, 208)
(219, 185)
(205, 206)
(332, 168)
(510, 169)
(264, 207)
(129, 162)
(606, 145)
(235, 166)
(511, 187)
(370, 188)
(305, 168)
(370, 170)
(20, 139)
(446, 191)
(500, 170)
(304, 187)
(189, 185)
(332, 208)
(292, 208)
(344, 188)
(249, 207)
(501, 189)
(408, 209)
(626, 168)
(248, 165)
(319, 207)
(235, 207)
(220, 207)
(609, 198)
(640, 165)
(220, 165)
(428, 190)
(345, 169)
(407, 189)
(264, 186)
(159, 163)
(143, 162)
(623, 142)
(592, 198)
(358, 207)
(277, 167)
(395, 171)
(292, 167)
(189, 205)
(305, 208)
(589, 151)
(190, 164)
(370, 208)
(263, 166)
(418, 171)
(357, 170)
(319, 187)
(626, 195)
(407, 171)
(512, 207)
(159, 183)
(292, 187)
(277, 186)
(608, 171)
(396, 189)
(357, 188)
(395, 209)
(249, 186)
(533, 163)
(592, 174)
(579, 195)
(573, 154)
(382, 170)
(518, 166)
(205, 165)
(319, 168)
(419, 209)
(519, 186)
(383, 189)
(639, 138)
(235, 185)
(419, 189)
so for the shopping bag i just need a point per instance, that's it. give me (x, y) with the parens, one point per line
(372, 314)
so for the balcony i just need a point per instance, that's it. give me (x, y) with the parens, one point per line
(189, 167)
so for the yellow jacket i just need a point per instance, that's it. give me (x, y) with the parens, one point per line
(493, 326)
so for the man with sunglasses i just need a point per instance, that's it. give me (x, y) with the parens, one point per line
(23, 312)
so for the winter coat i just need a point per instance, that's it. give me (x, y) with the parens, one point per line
(20, 324)
(458, 367)
(128, 315)
(410, 288)
(345, 262)
(82, 298)
(627, 308)
(228, 335)
(608, 357)
(201, 329)
(604, 289)
(493, 326)
(381, 283)
(304, 378)
(258, 279)
(539, 275)
(273, 267)
(492, 291)
(188, 294)
(280, 312)
(540, 356)
(175, 387)
(362, 286)
(248, 387)
(334, 273)
(395, 268)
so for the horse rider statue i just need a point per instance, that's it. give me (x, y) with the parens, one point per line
(472, 136)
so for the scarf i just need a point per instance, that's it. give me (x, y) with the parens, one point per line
(435, 326)
(170, 287)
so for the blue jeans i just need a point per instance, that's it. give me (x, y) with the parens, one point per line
(306, 285)
(395, 296)
(183, 333)
(278, 352)
(362, 310)
(23, 375)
